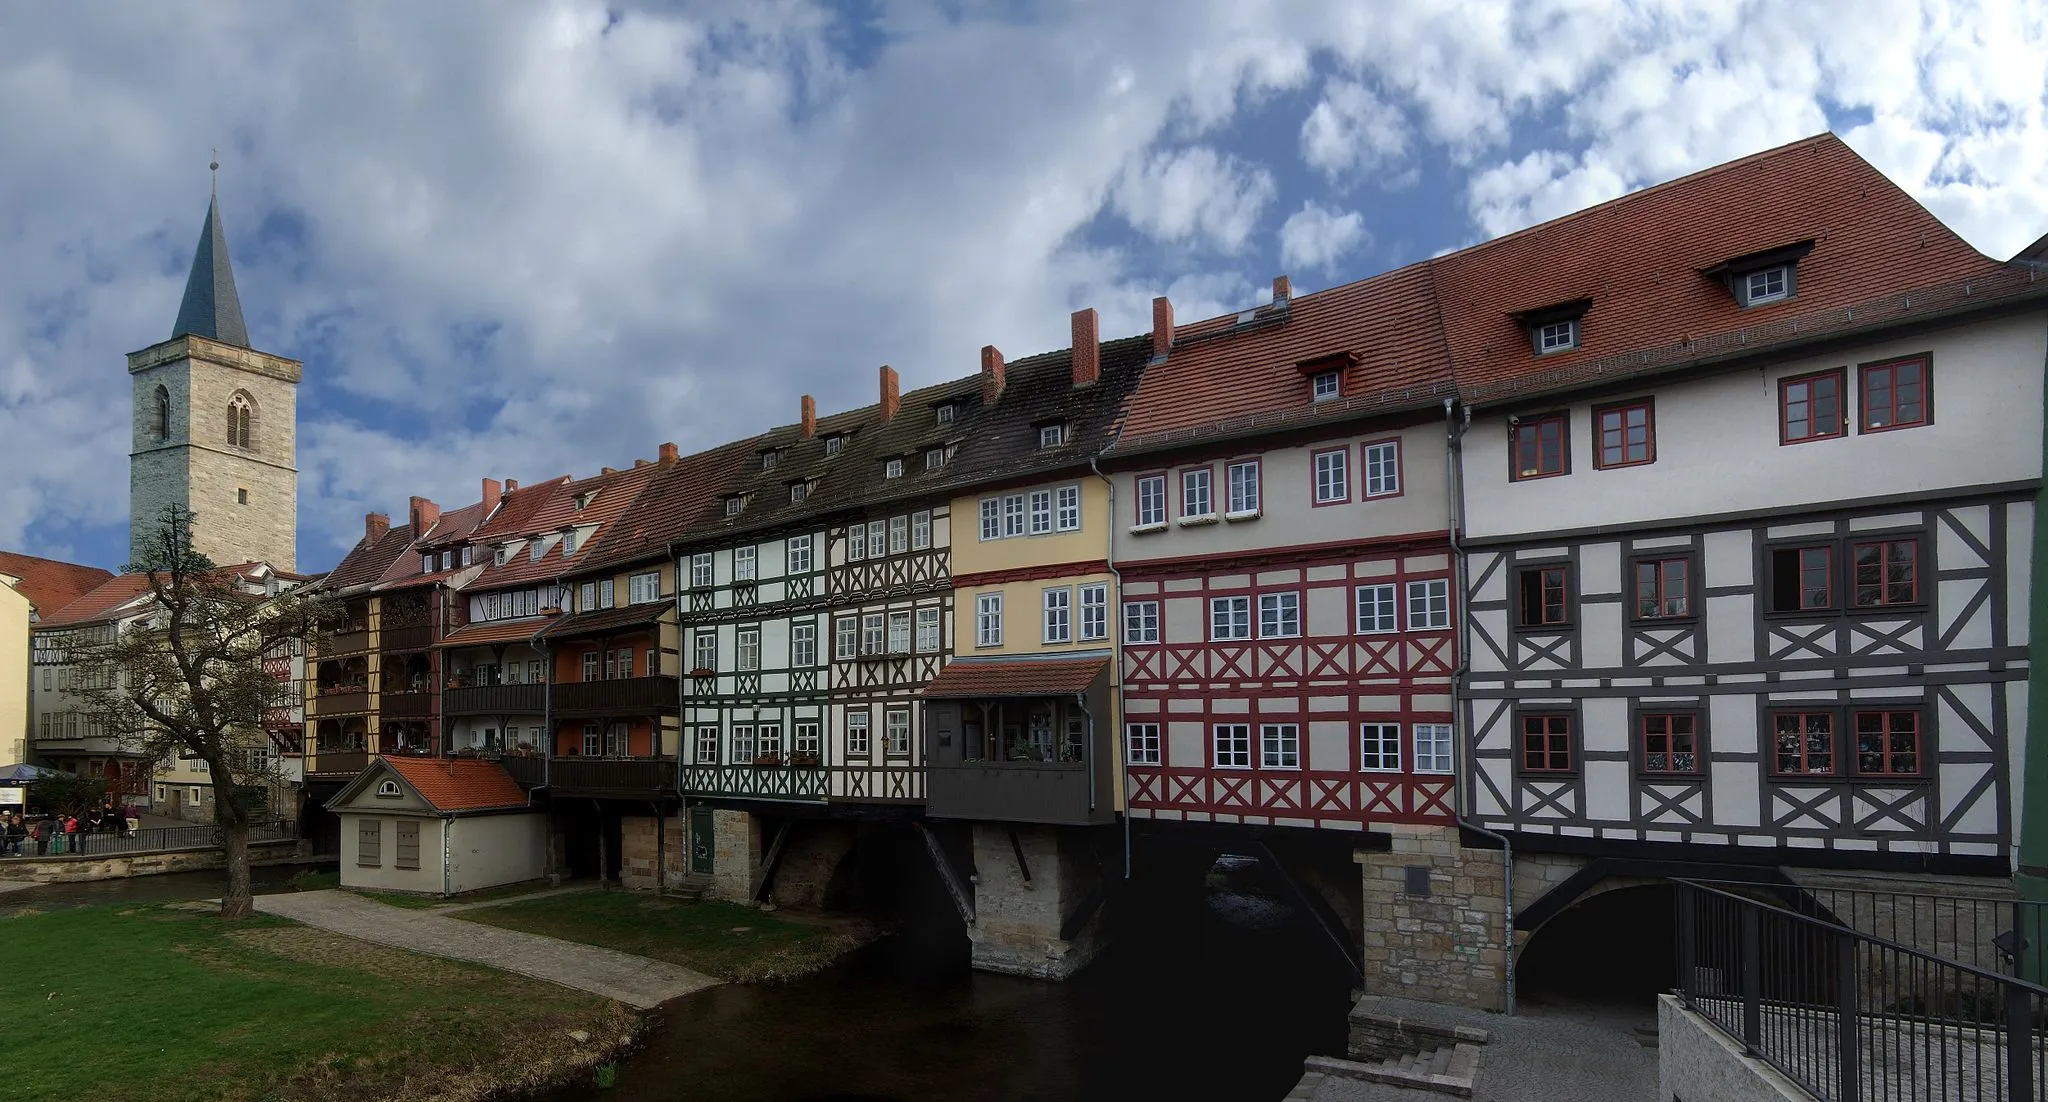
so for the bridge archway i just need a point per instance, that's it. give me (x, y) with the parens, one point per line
(1613, 946)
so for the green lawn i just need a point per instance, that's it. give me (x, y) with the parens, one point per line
(110, 1002)
(724, 940)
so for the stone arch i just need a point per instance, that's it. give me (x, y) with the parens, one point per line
(1616, 939)
(242, 421)
(161, 412)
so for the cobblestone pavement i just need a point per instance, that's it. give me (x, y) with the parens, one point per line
(635, 981)
(1562, 1052)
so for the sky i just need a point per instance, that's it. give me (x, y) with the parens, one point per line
(531, 239)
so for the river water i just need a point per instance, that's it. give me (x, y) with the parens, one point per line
(168, 888)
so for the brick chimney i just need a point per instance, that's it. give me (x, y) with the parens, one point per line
(424, 514)
(1087, 348)
(1283, 290)
(607, 470)
(511, 484)
(890, 399)
(639, 463)
(491, 492)
(374, 527)
(991, 374)
(668, 452)
(810, 408)
(1162, 327)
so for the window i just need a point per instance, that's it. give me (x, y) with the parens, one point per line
(991, 519)
(872, 633)
(899, 633)
(743, 744)
(899, 535)
(408, 848)
(1195, 500)
(768, 740)
(1141, 743)
(1671, 743)
(241, 495)
(747, 649)
(1230, 618)
(1888, 743)
(1810, 408)
(734, 504)
(796, 555)
(1326, 385)
(448, 561)
(1058, 607)
(1069, 509)
(1151, 500)
(1627, 435)
(1094, 612)
(1041, 512)
(1379, 747)
(1375, 608)
(1279, 615)
(1432, 748)
(239, 411)
(934, 458)
(653, 662)
(1233, 746)
(1768, 285)
(1663, 589)
(534, 551)
(847, 637)
(1333, 476)
(1542, 593)
(1429, 605)
(644, 589)
(797, 491)
(857, 734)
(878, 539)
(1141, 621)
(943, 413)
(1242, 482)
(1280, 746)
(1013, 515)
(1886, 572)
(623, 663)
(896, 732)
(700, 571)
(1804, 742)
(988, 620)
(1051, 436)
(590, 665)
(803, 644)
(920, 530)
(893, 469)
(1895, 394)
(1802, 578)
(833, 444)
(604, 593)
(1546, 744)
(1540, 446)
(927, 630)
(369, 841)
(856, 542)
(707, 745)
(1381, 461)
(744, 563)
(163, 413)
(807, 741)
(1555, 336)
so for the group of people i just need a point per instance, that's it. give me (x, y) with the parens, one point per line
(59, 834)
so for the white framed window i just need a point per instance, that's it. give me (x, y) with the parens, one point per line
(744, 561)
(833, 444)
(1094, 612)
(1376, 609)
(927, 630)
(586, 597)
(893, 469)
(1242, 480)
(1327, 385)
(805, 738)
(747, 649)
(1432, 747)
(1013, 515)
(1141, 743)
(934, 458)
(1557, 336)
(1141, 621)
(803, 644)
(899, 633)
(1058, 604)
(1379, 747)
(988, 620)
(1429, 605)
(1041, 512)
(899, 535)
(856, 542)
(534, 551)
(1279, 615)
(1333, 476)
(798, 491)
(499, 556)
(743, 744)
(700, 570)
(1280, 745)
(1152, 499)
(734, 504)
(707, 744)
(1195, 499)
(1233, 746)
(605, 593)
(1769, 285)
(768, 740)
(704, 649)
(896, 732)
(991, 519)
(644, 589)
(920, 530)
(847, 636)
(796, 555)
(1051, 436)
(653, 662)
(1069, 508)
(943, 413)
(1230, 618)
(1382, 462)
(593, 739)
(871, 633)
(878, 539)
(769, 459)
(857, 734)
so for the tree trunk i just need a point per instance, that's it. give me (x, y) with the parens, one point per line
(239, 900)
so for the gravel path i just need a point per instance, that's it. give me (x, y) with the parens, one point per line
(1565, 1053)
(635, 981)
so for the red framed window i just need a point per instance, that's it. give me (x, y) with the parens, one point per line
(1803, 743)
(1546, 744)
(1663, 589)
(1671, 743)
(1810, 407)
(1888, 743)
(1896, 394)
(1627, 435)
(1540, 447)
(1802, 578)
(1887, 572)
(1544, 596)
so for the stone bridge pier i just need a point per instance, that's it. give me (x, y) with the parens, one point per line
(1038, 895)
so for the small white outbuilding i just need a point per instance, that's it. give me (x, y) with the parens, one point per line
(438, 826)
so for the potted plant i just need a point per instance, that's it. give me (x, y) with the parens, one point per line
(767, 759)
(803, 759)
(703, 671)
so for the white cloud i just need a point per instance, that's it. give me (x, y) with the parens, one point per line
(1315, 237)
(1194, 196)
(1351, 129)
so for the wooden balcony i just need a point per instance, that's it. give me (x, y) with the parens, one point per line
(1016, 792)
(528, 770)
(407, 637)
(624, 696)
(353, 702)
(765, 782)
(495, 700)
(618, 778)
(351, 641)
(406, 705)
(336, 763)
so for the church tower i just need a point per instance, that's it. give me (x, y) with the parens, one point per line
(216, 424)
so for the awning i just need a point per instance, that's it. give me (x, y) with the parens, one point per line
(992, 677)
(498, 631)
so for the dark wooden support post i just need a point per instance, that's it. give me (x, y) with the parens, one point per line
(1326, 918)
(1017, 847)
(764, 877)
(947, 876)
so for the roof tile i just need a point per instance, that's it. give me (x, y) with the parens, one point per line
(459, 784)
(986, 677)
(49, 584)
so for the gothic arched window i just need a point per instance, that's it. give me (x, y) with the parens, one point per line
(163, 413)
(241, 413)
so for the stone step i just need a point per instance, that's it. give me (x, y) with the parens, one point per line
(1449, 1070)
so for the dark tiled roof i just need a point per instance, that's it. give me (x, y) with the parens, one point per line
(368, 561)
(670, 502)
(459, 784)
(48, 584)
(1039, 390)
(211, 308)
(518, 510)
(987, 677)
(605, 619)
(496, 631)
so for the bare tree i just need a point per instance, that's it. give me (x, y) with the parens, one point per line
(187, 678)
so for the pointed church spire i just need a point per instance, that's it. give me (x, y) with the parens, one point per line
(211, 308)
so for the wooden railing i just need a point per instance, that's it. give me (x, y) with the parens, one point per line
(496, 700)
(407, 637)
(352, 702)
(331, 762)
(528, 770)
(352, 641)
(625, 777)
(406, 704)
(620, 696)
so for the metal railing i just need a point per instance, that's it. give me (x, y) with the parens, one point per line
(144, 840)
(1850, 1016)
(1968, 929)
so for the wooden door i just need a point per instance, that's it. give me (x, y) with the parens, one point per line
(700, 840)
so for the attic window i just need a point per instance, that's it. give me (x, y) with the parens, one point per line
(798, 491)
(769, 459)
(734, 504)
(944, 413)
(499, 556)
(1327, 385)
(1769, 285)
(934, 458)
(427, 563)
(389, 790)
(1757, 279)
(892, 469)
(1051, 436)
(468, 554)
(568, 542)
(833, 444)
(584, 499)
(447, 560)
(1554, 329)
(534, 552)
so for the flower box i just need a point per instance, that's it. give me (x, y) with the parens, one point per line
(803, 759)
(703, 671)
(768, 759)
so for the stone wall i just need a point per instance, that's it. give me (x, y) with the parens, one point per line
(640, 850)
(68, 870)
(1950, 916)
(1698, 1063)
(1017, 924)
(1444, 946)
(809, 859)
(736, 844)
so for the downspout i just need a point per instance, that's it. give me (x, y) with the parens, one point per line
(1455, 428)
(447, 828)
(1116, 651)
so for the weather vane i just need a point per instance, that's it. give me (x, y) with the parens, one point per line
(214, 168)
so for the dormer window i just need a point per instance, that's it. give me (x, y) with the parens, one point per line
(1554, 329)
(833, 444)
(769, 459)
(499, 556)
(536, 550)
(468, 554)
(1051, 436)
(447, 560)
(944, 413)
(734, 504)
(1326, 385)
(1759, 279)
(892, 469)
(1769, 285)
(798, 491)
(427, 563)
(568, 542)
(1556, 336)
(584, 499)
(934, 458)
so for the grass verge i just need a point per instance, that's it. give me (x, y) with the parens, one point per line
(262, 1008)
(721, 939)
(413, 902)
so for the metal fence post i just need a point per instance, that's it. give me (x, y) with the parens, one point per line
(1752, 983)
(1847, 1055)
(2019, 1044)
(1686, 965)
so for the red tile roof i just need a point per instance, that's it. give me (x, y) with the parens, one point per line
(100, 601)
(613, 492)
(607, 620)
(986, 677)
(459, 784)
(496, 631)
(48, 584)
(669, 502)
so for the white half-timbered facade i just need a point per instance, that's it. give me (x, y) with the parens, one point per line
(891, 618)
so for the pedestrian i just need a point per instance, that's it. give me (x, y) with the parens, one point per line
(71, 834)
(41, 833)
(16, 832)
(132, 819)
